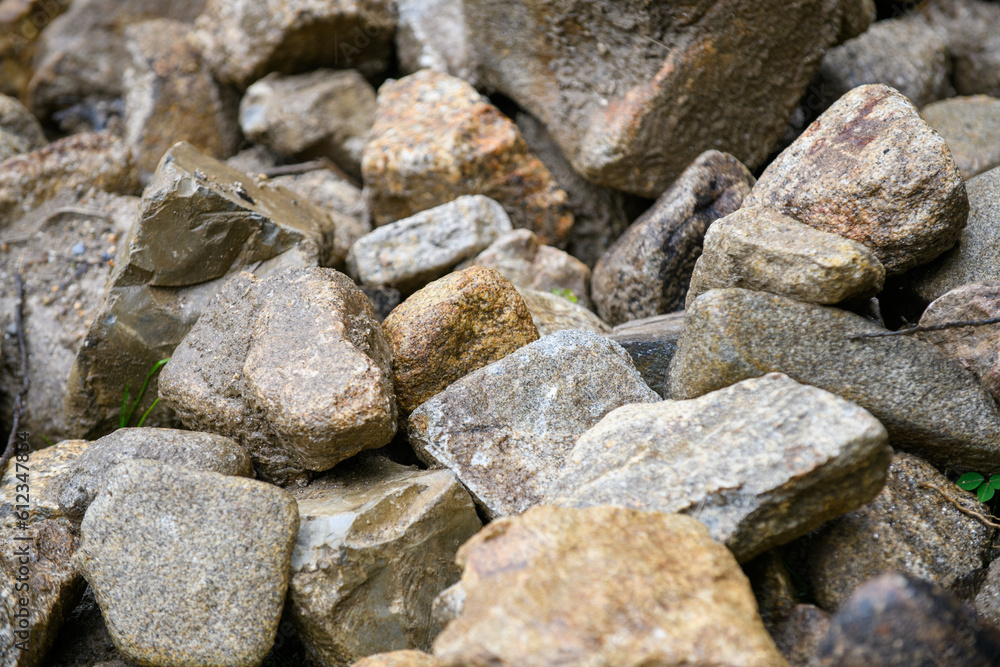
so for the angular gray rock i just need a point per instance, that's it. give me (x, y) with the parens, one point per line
(647, 270)
(760, 463)
(506, 429)
(412, 252)
(930, 405)
(189, 567)
(431, 35)
(376, 544)
(763, 250)
(871, 170)
(552, 312)
(652, 343)
(20, 132)
(294, 367)
(971, 126)
(183, 449)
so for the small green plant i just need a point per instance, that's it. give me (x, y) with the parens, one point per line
(127, 411)
(566, 294)
(985, 489)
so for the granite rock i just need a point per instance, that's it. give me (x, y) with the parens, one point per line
(973, 43)
(647, 270)
(506, 429)
(47, 469)
(871, 170)
(399, 659)
(431, 35)
(552, 312)
(20, 132)
(652, 343)
(987, 600)
(971, 126)
(451, 327)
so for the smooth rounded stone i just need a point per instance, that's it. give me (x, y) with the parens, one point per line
(244, 40)
(522, 258)
(20, 131)
(170, 96)
(647, 270)
(910, 527)
(552, 587)
(435, 138)
(763, 250)
(399, 659)
(412, 252)
(431, 35)
(183, 449)
(376, 544)
(47, 468)
(799, 635)
(188, 567)
(451, 327)
(294, 367)
(505, 429)
(652, 343)
(974, 257)
(900, 621)
(973, 43)
(971, 126)
(319, 114)
(199, 223)
(907, 53)
(760, 463)
(930, 405)
(871, 170)
(552, 312)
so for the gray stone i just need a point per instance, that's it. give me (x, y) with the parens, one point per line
(763, 250)
(20, 132)
(505, 429)
(376, 544)
(431, 35)
(412, 252)
(871, 170)
(760, 463)
(973, 43)
(930, 405)
(910, 527)
(652, 343)
(183, 449)
(987, 600)
(647, 270)
(971, 126)
(798, 637)
(294, 367)
(552, 312)
(189, 567)
(334, 193)
(320, 114)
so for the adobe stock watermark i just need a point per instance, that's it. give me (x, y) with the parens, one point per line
(21, 544)
(349, 49)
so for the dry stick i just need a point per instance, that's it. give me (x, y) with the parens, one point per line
(981, 517)
(296, 169)
(929, 327)
(19, 398)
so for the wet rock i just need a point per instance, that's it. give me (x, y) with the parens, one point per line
(869, 169)
(248, 370)
(760, 463)
(384, 300)
(930, 405)
(652, 343)
(20, 132)
(910, 528)
(506, 429)
(320, 114)
(244, 40)
(555, 311)
(897, 620)
(971, 126)
(47, 468)
(522, 258)
(552, 586)
(196, 557)
(182, 449)
(766, 251)
(412, 252)
(973, 43)
(799, 635)
(435, 138)
(617, 84)
(376, 544)
(399, 659)
(451, 327)
(647, 270)
(171, 96)
(431, 35)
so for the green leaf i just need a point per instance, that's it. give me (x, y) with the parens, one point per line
(123, 417)
(995, 481)
(985, 493)
(970, 481)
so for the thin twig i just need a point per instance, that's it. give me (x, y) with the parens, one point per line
(929, 327)
(296, 169)
(981, 517)
(25, 383)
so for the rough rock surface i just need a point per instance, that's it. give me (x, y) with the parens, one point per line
(47, 469)
(987, 601)
(20, 131)
(799, 635)
(973, 43)
(189, 567)
(249, 370)
(376, 544)
(412, 252)
(871, 170)
(451, 327)
(83, 640)
(552, 312)
(634, 91)
(551, 587)
(760, 463)
(399, 659)
(435, 138)
(763, 250)
(431, 35)
(971, 126)
(506, 429)
(647, 270)
(930, 405)
(183, 449)
(652, 343)
(910, 527)
(320, 114)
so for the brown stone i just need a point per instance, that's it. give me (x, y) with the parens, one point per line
(399, 659)
(971, 126)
